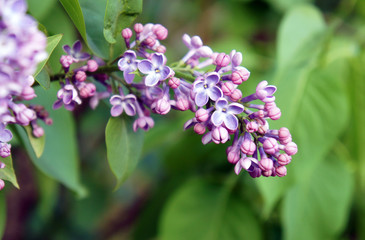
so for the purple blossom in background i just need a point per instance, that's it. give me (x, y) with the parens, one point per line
(155, 69)
(75, 52)
(123, 103)
(225, 113)
(127, 64)
(67, 96)
(205, 88)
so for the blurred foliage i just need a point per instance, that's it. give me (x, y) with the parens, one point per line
(313, 50)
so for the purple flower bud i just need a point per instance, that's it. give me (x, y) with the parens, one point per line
(28, 93)
(269, 105)
(80, 76)
(222, 60)
(92, 66)
(199, 128)
(271, 146)
(182, 103)
(284, 159)
(256, 173)
(174, 82)
(267, 173)
(5, 150)
(237, 59)
(248, 146)
(262, 129)
(291, 148)
(162, 106)
(23, 115)
(233, 157)
(240, 76)
(138, 28)
(127, 33)
(2, 184)
(265, 92)
(204, 52)
(38, 131)
(266, 164)
(150, 41)
(228, 88)
(87, 90)
(144, 123)
(283, 134)
(196, 42)
(236, 95)
(274, 113)
(280, 171)
(160, 31)
(220, 135)
(202, 115)
(160, 49)
(252, 126)
(66, 61)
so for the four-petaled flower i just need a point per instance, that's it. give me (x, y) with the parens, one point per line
(225, 113)
(128, 64)
(75, 52)
(5, 134)
(155, 69)
(68, 96)
(206, 88)
(121, 103)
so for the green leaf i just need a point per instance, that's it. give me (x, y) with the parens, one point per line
(119, 15)
(8, 173)
(202, 210)
(40, 8)
(73, 9)
(43, 79)
(319, 208)
(52, 43)
(123, 147)
(94, 12)
(60, 157)
(37, 143)
(2, 214)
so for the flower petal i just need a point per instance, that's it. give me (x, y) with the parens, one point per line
(116, 100)
(130, 55)
(128, 77)
(270, 89)
(67, 49)
(221, 103)
(201, 98)
(157, 59)
(235, 108)
(151, 79)
(217, 118)
(116, 110)
(212, 79)
(145, 66)
(77, 47)
(215, 93)
(130, 109)
(165, 73)
(5, 135)
(231, 121)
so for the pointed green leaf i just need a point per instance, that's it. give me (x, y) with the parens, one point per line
(206, 211)
(119, 15)
(37, 143)
(2, 214)
(73, 9)
(8, 173)
(123, 147)
(43, 79)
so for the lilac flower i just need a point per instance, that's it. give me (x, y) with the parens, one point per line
(225, 113)
(263, 92)
(121, 103)
(67, 96)
(144, 123)
(206, 88)
(75, 52)
(5, 134)
(155, 69)
(128, 64)
(196, 48)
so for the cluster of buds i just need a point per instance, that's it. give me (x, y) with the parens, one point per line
(221, 112)
(22, 48)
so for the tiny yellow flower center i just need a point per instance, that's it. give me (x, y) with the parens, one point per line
(224, 110)
(205, 86)
(157, 70)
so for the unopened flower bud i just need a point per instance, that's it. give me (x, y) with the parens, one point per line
(160, 31)
(228, 88)
(161, 49)
(252, 127)
(267, 173)
(80, 76)
(284, 159)
(199, 128)
(28, 93)
(38, 132)
(269, 105)
(127, 33)
(236, 95)
(182, 104)
(66, 61)
(274, 113)
(205, 51)
(248, 147)
(92, 66)
(233, 157)
(291, 148)
(162, 106)
(138, 27)
(237, 59)
(220, 135)
(271, 146)
(150, 41)
(196, 42)
(174, 82)
(283, 133)
(240, 76)
(5, 150)
(266, 164)
(281, 171)
(202, 115)
(2, 184)
(222, 60)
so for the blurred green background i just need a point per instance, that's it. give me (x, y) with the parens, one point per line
(312, 50)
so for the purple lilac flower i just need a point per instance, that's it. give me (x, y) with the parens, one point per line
(225, 113)
(155, 69)
(123, 103)
(206, 87)
(75, 52)
(127, 64)
(67, 96)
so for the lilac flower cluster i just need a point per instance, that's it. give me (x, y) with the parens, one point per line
(150, 86)
(22, 48)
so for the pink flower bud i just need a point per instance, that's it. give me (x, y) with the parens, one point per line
(66, 61)
(291, 148)
(286, 140)
(174, 82)
(236, 95)
(80, 76)
(160, 31)
(196, 42)
(150, 41)
(5, 150)
(283, 133)
(240, 76)
(162, 106)
(182, 104)
(138, 28)
(92, 66)
(228, 88)
(281, 171)
(252, 127)
(266, 164)
(237, 59)
(267, 173)
(127, 33)
(220, 135)
(284, 159)
(274, 113)
(161, 49)
(271, 146)
(222, 60)
(205, 52)
(28, 93)
(248, 147)
(233, 157)
(202, 115)
(38, 132)
(48, 121)
(269, 105)
(199, 128)
(262, 129)
(2, 184)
